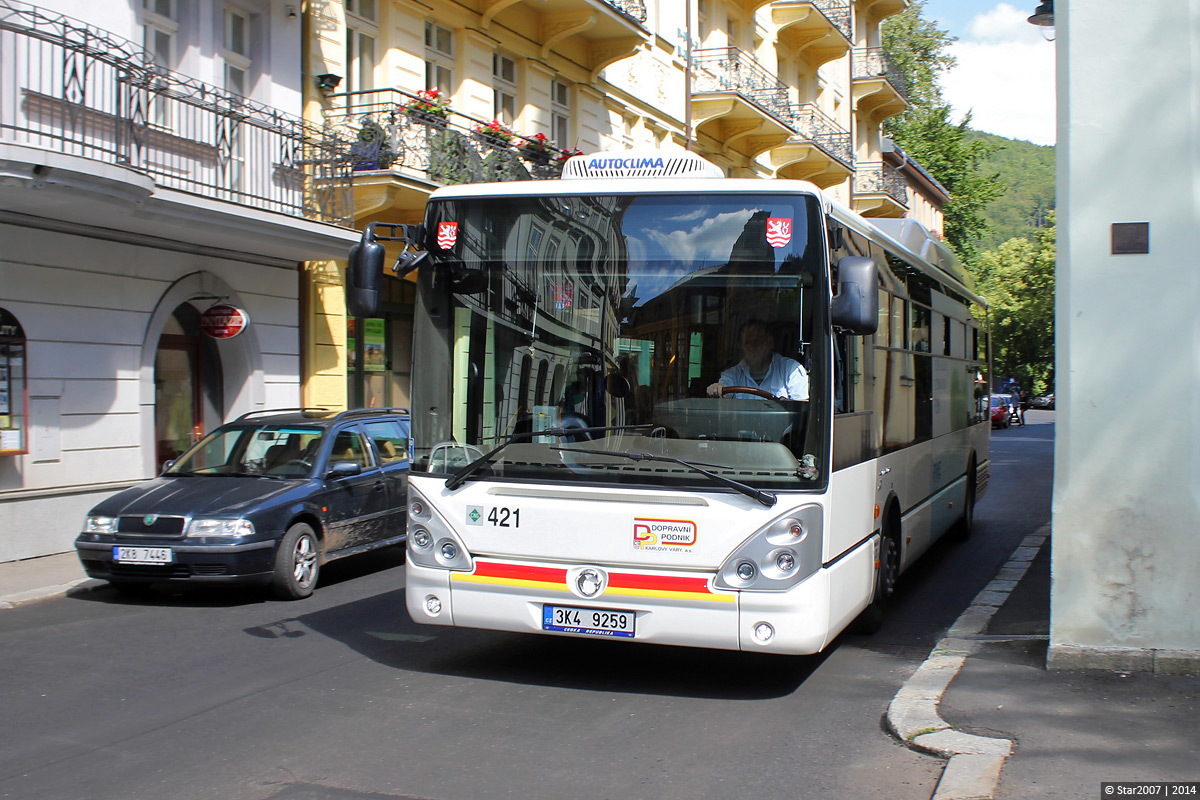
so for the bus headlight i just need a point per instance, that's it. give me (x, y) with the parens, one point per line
(777, 556)
(431, 541)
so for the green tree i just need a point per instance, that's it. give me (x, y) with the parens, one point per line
(1017, 278)
(917, 48)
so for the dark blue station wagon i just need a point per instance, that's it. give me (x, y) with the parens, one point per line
(267, 499)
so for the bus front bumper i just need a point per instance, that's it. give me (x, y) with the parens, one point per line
(792, 622)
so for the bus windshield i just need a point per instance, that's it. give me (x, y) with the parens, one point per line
(681, 325)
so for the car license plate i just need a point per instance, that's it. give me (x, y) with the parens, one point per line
(592, 621)
(143, 555)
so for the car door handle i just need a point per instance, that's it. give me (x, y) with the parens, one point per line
(379, 486)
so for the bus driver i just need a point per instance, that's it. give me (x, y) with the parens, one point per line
(762, 368)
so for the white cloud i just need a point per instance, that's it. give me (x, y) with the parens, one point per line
(1004, 77)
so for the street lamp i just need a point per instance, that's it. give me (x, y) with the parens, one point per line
(1043, 17)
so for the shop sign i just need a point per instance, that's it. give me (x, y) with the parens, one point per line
(224, 321)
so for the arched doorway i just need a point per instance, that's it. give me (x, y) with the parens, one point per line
(188, 395)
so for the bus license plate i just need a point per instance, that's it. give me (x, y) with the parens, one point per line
(591, 621)
(143, 555)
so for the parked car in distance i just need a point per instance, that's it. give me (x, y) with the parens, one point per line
(1045, 401)
(1001, 410)
(265, 499)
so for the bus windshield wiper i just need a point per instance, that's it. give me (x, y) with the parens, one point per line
(456, 480)
(766, 498)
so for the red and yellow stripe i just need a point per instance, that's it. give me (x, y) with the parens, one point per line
(628, 584)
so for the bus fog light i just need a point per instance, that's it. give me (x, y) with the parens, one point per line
(422, 539)
(786, 562)
(763, 632)
(746, 571)
(433, 606)
(449, 551)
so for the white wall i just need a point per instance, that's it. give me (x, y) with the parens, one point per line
(86, 306)
(1126, 546)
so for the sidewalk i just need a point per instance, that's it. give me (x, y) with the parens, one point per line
(1046, 735)
(37, 579)
(1014, 730)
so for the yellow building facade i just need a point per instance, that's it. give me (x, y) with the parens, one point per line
(425, 93)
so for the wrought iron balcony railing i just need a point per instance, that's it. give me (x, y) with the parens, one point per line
(381, 130)
(878, 177)
(871, 62)
(630, 8)
(837, 12)
(728, 69)
(811, 123)
(76, 89)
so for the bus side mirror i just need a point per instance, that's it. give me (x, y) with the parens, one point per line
(855, 307)
(364, 275)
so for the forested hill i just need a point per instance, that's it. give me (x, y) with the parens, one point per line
(1027, 172)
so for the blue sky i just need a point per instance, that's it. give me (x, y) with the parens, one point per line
(1005, 70)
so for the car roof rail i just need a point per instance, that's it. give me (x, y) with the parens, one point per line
(264, 411)
(366, 412)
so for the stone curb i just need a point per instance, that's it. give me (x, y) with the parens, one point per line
(51, 592)
(973, 770)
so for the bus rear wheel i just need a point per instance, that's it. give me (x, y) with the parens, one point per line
(966, 523)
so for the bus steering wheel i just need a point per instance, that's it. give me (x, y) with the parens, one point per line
(747, 390)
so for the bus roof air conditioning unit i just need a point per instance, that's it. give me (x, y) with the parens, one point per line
(640, 164)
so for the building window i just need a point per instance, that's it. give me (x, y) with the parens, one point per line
(560, 114)
(439, 58)
(504, 78)
(237, 52)
(159, 32)
(363, 9)
(360, 45)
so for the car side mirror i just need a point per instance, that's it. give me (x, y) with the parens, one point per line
(855, 307)
(344, 469)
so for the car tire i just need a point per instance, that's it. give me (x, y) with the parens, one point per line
(297, 563)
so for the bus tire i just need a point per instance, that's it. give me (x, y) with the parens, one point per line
(966, 523)
(871, 619)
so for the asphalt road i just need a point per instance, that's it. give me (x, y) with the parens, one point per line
(207, 694)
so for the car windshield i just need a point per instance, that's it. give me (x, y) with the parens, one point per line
(250, 450)
(638, 317)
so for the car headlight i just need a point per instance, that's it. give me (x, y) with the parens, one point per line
(221, 527)
(100, 525)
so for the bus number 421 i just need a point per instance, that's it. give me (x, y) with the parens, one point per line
(500, 517)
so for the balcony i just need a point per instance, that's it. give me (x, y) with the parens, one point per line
(737, 102)
(821, 152)
(399, 156)
(879, 89)
(879, 190)
(816, 30)
(81, 93)
(594, 33)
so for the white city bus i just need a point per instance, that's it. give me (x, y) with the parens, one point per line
(577, 473)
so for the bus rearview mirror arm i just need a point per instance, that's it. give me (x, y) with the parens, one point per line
(855, 307)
